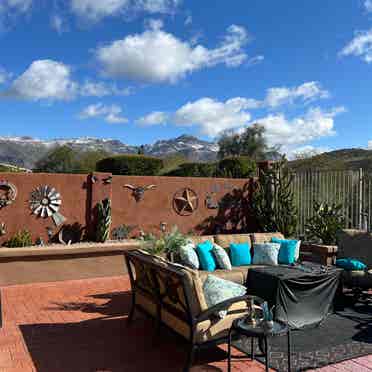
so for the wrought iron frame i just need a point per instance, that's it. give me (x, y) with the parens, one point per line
(158, 298)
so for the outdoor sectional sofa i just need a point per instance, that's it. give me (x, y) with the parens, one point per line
(173, 294)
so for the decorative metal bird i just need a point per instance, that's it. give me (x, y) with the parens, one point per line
(138, 192)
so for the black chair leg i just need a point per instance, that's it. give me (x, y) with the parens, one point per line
(132, 310)
(190, 358)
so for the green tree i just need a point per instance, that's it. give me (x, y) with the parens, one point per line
(59, 160)
(251, 143)
(87, 161)
(130, 165)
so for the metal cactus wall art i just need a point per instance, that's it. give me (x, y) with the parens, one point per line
(104, 220)
(45, 202)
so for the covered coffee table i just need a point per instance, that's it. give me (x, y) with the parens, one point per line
(303, 294)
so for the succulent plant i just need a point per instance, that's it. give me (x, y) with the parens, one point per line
(104, 220)
(20, 239)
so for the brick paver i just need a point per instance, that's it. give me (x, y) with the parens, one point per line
(80, 326)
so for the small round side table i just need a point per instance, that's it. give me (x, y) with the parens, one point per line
(240, 327)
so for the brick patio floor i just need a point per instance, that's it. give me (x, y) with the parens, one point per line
(80, 326)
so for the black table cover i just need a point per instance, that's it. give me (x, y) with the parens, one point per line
(303, 294)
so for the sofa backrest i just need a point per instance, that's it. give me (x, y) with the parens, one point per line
(260, 238)
(196, 239)
(224, 240)
(355, 244)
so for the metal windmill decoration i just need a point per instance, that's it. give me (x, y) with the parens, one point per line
(45, 202)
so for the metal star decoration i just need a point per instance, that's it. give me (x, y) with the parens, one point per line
(185, 202)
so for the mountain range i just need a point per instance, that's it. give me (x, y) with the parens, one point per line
(26, 151)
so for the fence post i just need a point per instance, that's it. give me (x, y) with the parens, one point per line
(361, 188)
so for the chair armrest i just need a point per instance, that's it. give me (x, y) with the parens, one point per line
(207, 314)
(322, 254)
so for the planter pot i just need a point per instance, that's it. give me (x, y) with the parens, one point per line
(319, 253)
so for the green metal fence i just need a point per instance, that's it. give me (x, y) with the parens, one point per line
(351, 188)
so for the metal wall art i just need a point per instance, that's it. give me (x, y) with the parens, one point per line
(185, 202)
(45, 202)
(138, 192)
(8, 193)
(210, 201)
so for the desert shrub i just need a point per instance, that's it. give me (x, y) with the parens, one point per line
(236, 167)
(193, 170)
(130, 165)
(20, 239)
(326, 222)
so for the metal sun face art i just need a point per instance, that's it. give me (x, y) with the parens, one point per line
(8, 193)
(185, 202)
(45, 202)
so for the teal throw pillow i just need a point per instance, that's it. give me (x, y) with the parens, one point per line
(266, 254)
(222, 258)
(217, 290)
(188, 256)
(350, 264)
(240, 254)
(206, 257)
(287, 252)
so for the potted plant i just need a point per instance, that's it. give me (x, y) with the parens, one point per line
(322, 229)
(167, 244)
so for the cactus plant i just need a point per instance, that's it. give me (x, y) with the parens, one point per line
(104, 220)
(20, 239)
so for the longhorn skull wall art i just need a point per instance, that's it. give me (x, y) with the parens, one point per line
(138, 192)
(45, 202)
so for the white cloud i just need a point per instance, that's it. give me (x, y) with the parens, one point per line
(158, 56)
(95, 10)
(15, 6)
(212, 116)
(188, 20)
(44, 79)
(111, 114)
(4, 75)
(370, 145)
(306, 92)
(51, 80)
(58, 23)
(154, 118)
(314, 124)
(307, 151)
(100, 89)
(368, 5)
(360, 46)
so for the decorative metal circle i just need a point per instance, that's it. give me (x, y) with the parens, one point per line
(185, 202)
(45, 202)
(9, 193)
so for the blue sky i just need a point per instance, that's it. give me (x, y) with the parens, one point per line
(142, 70)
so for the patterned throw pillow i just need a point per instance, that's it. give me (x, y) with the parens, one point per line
(217, 290)
(189, 256)
(266, 254)
(222, 258)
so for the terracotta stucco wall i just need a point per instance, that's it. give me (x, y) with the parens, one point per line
(80, 195)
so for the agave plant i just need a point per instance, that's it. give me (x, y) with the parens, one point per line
(168, 243)
(326, 222)
(104, 220)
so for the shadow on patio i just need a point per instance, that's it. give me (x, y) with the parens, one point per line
(107, 343)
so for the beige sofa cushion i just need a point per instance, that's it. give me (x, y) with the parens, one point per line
(225, 240)
(260, 238)
(238, 274)
(202, 238)
(209, 329)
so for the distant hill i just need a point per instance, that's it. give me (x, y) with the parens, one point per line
(26, 151)
(336, 160)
